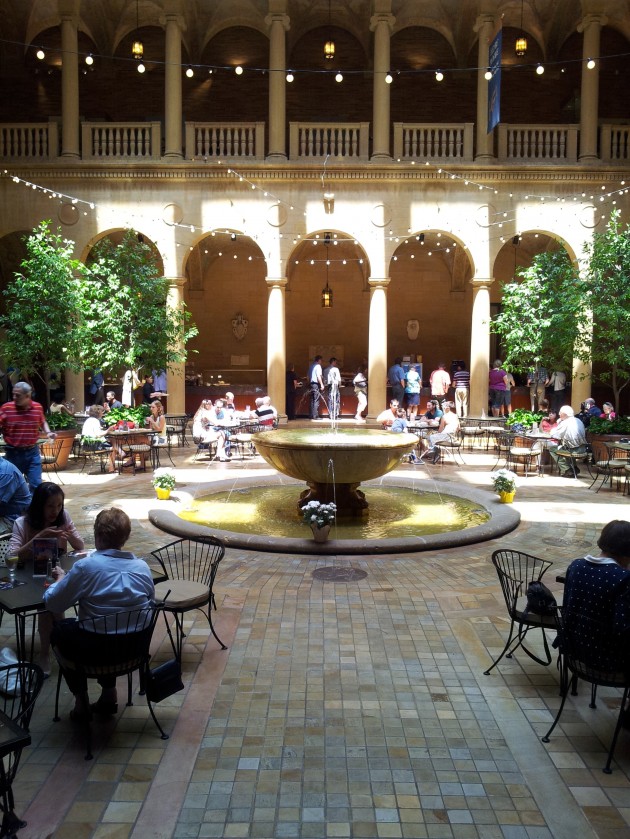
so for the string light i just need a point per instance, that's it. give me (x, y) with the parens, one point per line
(439, 76)
(540, 69)
(89, 59)
(290, 77)
(338, 78)
(190, 72)
(590, 64)
(488, 75)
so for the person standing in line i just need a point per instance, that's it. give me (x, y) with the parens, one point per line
(412, 392)
(440, 382)
(21, 422)
(292, 384)
(396, 376)
(497, 382)
(537, 381)
(558, 384)
(97, 393)
(360, 390)
(510, 384)
(461, 380)
(316, 384)
(333, 383)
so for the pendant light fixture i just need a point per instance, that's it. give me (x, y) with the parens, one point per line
(327, 295)
(329, 46)
(520, 47)
(137, 48)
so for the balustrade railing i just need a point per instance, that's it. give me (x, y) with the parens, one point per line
(615, 143)
(28, 141)
(434, 142)
(216, 141)
(538, 143)
(341, 141)
(121, 140)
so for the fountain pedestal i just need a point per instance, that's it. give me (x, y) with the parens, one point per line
(348, 498)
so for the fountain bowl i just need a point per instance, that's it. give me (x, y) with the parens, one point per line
(333, 463)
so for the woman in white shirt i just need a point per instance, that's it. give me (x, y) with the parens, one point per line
(93, 431)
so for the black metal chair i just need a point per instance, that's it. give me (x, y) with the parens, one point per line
(452, 447)
(516, 571)
(526, 451)
(590, 651)
(113, 645)
(241, 443)
(191, 568)
(49, 454)
(176, 425)
(20, 685)
(613, 466)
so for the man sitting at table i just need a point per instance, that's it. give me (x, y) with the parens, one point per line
(449, 425)
(386, 418)
(433, 412)
(15, 495)
(107, 581)
(572, 436)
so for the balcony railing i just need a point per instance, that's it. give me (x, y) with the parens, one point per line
(225, 140)
(448, 143)
(615, 143)
(538, 143)
(121, 140)
(29, 141)
(346, 142)
(342, 141)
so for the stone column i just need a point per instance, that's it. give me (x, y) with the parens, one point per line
(278, 23)
(175, 378)
(590, 26)
(276, 345)
(381, 24)
(484, 27)
(69, 13)
(480, 346)
(75, 388)
(377, 347)
(174, 26)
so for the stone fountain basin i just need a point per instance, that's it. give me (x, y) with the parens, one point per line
(357, 455)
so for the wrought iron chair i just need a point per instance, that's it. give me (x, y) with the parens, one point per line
(516, 571)
(451, 448)
(612, 466)
(241, 443)
(49, 453)
(503, 443)
(113, 645)
(525, 451)
(472, 432)
(20, 685)
(590, 651)
(176, 425)
(191, 568)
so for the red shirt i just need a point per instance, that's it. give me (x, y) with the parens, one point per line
(21, 426)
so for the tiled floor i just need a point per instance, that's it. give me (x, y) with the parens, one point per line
(343, 709)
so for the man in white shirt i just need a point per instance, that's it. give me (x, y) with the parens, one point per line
(449, 425)
(316, 384)
(333, 384)
(571, 433)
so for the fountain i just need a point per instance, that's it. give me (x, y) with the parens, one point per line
(354, 456)
(334, 463)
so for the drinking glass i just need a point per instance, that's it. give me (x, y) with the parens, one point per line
(12, 562)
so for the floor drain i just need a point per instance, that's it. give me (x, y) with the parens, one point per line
(561, 543)
(339, 575)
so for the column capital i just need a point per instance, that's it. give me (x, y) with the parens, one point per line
(176, 282)
(379, 282)
(382, 17)
(594, 19)
(278, 17)
(276, 282)
(481, 282)
(483, 20)
(173, 17)
(69, 9)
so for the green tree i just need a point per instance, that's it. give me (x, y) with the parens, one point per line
(544, 314)
(127, 322)
(44, 306)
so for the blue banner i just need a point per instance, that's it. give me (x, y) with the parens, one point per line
(494, 85)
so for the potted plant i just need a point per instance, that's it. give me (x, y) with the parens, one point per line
(522, 420)
(320, 517)
(504, 484)
(135, 415)
(65, 427)
(163, 481)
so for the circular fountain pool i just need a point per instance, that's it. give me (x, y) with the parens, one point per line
(406, 515)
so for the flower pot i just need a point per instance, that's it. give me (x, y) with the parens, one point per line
(320, 534)
(163, 494)
(507, 497)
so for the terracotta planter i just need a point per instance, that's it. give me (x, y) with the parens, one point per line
(66, 435)
(320, 534)
(163, 494)
(507, 497)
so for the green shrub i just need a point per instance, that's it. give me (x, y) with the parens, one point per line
(523, 418)
(61, 421)
(620, 425)
(136, 415)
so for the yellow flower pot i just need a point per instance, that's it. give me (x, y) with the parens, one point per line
(163, 494)
(507, 497)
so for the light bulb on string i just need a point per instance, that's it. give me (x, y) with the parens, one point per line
(338, 78)
(290, 77)
(238, 70)
(190, 72)
(540, 69)
(439, 76)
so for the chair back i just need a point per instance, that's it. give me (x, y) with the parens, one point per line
(49, 451)
(196, 560)
(4, 547)
(112, 645)
(593, 650)
(516, 571)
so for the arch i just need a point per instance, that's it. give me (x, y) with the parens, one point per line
(115, 234)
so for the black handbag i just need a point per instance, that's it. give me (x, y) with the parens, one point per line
(164, 680)
(540, 600)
